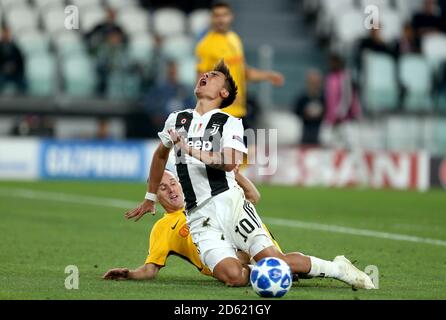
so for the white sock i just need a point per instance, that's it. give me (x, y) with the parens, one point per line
(323, 268)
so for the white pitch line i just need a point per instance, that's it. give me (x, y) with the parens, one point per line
(291, 223)
(65, 197)
(352, 231)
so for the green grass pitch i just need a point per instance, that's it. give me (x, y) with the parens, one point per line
(40, 237)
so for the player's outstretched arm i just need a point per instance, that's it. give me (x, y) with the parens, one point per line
(146, 272)
(157, 168)
(252, 194)
(256, 75)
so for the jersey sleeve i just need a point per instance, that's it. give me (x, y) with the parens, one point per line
(159, 247)
(232, 136)
(164, 134)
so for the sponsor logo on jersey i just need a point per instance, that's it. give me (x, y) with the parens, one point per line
(184, 231)
(202, 145)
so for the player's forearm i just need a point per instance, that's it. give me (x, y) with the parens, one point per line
(145, 272)
(256, 75)
(250, 190)
(157, 168)
(215, 160)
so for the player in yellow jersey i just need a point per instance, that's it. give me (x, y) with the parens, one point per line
(223, 43)
(170, 234)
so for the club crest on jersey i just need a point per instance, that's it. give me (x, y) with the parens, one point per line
(215, 128)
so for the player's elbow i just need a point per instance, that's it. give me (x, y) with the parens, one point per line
(229, 167)
(253, 197)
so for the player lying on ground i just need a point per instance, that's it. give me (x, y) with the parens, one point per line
(170, 234)
(208, 146)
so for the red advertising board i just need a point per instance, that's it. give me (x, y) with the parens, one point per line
(339, 168)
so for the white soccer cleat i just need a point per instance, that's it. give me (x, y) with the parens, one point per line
(352, 275)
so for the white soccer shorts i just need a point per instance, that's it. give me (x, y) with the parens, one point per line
(225, 223)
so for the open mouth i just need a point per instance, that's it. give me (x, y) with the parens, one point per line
(202, 82)
(173, 197)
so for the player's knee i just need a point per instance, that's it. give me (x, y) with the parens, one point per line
(234, 277)
(231, 273)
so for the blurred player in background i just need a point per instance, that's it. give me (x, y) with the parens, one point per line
(223, 43)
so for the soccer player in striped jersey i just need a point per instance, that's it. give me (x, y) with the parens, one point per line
(209, 145)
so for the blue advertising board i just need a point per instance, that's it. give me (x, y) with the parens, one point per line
(102, 160)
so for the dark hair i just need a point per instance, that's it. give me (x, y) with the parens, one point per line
(229, 84)
(221, 4)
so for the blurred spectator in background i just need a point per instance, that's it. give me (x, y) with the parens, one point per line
(113, 64)
(342, 99)
(310, 107)
(99, 34)
(166, 97)
(149, 72)
(33, 125)
(11, 63)
(103, 129)
(407, 42)
(373, 42)
(428, 20)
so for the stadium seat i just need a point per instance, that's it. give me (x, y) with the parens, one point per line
(85, 3)
(141, 47)
(403, 133)
(391, 24)
(199, 21)
(6, 5)
(176, 47)
(187, 71)
(169, 22)
(54, 20)
(349, 29)
(439, 136)
(79, 75)
(408, 7)
(68, 43)
(288, 126)
(121, 4)
(383, 5)
(329, 10)
(379, 82)
(20, 18)
(133, 20)
(415, 75)
(33, 42)
(91, 18)
(41, 74)
(434, 49)
(45, 4)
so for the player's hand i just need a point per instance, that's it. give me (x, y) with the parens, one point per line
(117, 274)
(177, 139)
(276, 78)
(141, 210)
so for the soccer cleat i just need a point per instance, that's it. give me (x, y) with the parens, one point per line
(351, 275)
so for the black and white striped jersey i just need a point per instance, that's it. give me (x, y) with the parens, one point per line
(212, 131)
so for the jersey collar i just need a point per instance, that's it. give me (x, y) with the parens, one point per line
(207, 113)
(178, 212)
